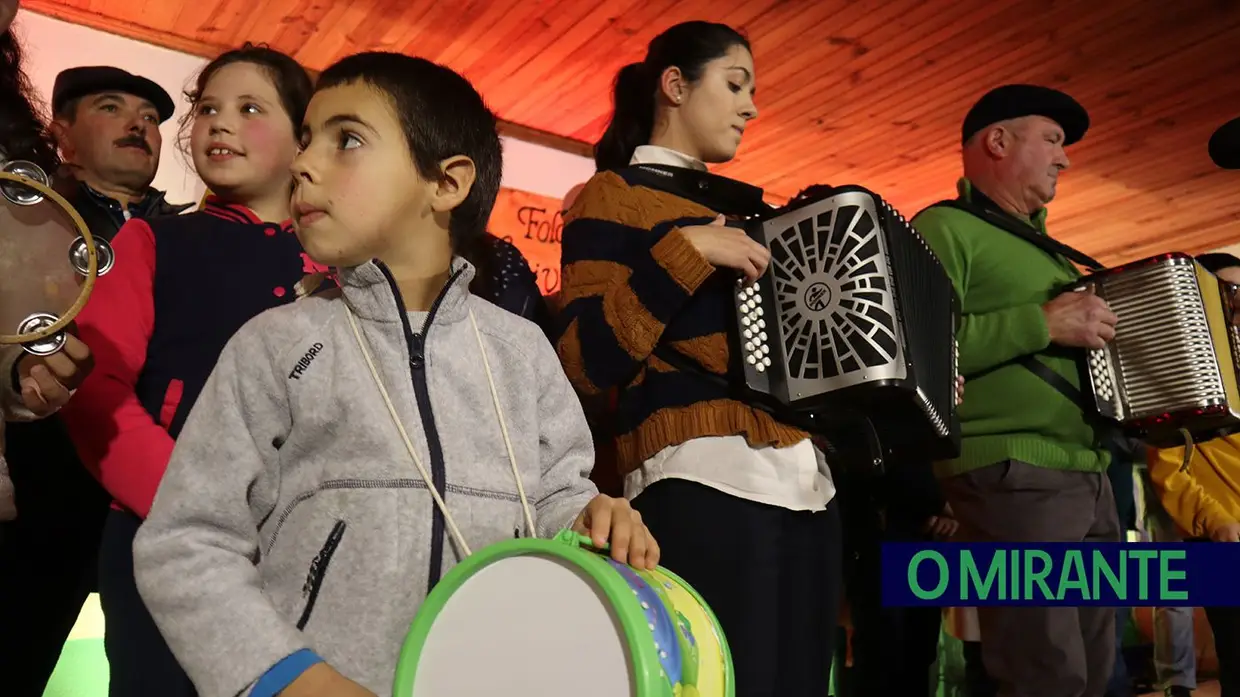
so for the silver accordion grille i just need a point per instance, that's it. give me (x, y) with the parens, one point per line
(837, 324)
(1162, 358)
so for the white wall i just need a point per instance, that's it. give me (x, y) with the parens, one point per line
(52, 45)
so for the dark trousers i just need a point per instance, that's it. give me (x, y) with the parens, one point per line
(771, 576)
(1120, 684)
(48, 555)
(139, 660)
(1040, 651)
(893, 648)
(1225, 623)
(978, 682)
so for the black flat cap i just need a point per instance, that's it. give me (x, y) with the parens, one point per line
(94, 79)
(1225, 145)
(1015, 101)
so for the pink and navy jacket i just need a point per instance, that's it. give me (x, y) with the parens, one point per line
(157, 322)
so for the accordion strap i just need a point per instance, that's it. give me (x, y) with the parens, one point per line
(1024, 231)
(838, 438)
(720, 194)
(1055, 380)
(687, 365)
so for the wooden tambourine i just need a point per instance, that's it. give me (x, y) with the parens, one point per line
(48, 260)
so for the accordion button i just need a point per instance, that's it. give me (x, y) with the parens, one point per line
(761, 324)
(746, 321)
(759, 311)
(748, 345)
(760, 367)
(751, 360)
(748, 333)
(766, 362)
(761, 336)
(741, 296)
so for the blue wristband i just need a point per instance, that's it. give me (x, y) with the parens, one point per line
(282, 674)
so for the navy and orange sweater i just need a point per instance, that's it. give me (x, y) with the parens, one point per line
(632, 281)
(157, 322)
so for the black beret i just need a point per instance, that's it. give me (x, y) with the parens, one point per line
(1015, 101)
(1225, 145)
(94, 79)
(1217, 261)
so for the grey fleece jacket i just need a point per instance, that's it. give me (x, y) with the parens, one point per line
(292, 516)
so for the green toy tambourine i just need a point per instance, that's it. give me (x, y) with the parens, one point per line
(560, 618)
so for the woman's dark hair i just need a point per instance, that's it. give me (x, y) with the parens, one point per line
(688, 46)
(442, 116)
(291, 81)
(1217, 261)
(23, 132)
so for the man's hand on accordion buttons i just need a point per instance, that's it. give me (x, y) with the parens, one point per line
(1080, 319)
(728, 247)
(959, 390)
(47, 382)
(1227, 533)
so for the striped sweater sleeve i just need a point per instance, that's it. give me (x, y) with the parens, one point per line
(627, 270)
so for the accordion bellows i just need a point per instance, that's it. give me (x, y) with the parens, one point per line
(855, 315)
(1172, 363)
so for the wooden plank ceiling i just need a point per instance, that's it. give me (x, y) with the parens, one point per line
(867, 92)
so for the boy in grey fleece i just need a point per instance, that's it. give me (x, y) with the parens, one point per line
(293, 538)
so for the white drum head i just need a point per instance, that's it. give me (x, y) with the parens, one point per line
(526, 626)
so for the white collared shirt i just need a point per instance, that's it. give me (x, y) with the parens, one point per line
(796, 477)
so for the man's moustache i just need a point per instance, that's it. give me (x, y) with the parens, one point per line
(135, 142)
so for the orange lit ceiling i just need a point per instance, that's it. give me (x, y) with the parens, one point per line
(867, 92)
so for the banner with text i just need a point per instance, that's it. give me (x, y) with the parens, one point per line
(1194, 574)
(533, 223)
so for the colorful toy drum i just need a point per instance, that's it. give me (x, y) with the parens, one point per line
(558, 618)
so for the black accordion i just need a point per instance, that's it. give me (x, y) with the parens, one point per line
(854, 317)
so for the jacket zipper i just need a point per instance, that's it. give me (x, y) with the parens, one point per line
(318, 569)
(417, 366)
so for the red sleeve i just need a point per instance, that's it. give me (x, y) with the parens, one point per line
(115, 436)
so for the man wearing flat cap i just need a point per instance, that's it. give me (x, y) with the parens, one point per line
(1225, 145)
(106, 124)
(1032, 468)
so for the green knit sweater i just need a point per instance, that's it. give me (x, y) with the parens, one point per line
(1002, 281)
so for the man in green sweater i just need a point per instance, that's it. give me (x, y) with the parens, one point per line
(1031, 468)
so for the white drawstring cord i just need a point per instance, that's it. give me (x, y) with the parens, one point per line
(417, 461)
(503, 427)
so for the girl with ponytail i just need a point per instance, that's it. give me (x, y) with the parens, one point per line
(742, 504)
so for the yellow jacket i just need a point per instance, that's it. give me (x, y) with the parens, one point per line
(1205, 496)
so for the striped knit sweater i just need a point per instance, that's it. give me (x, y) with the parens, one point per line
(632, 281)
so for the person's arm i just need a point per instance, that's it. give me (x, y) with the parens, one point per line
(114, 434)
(11, 406)
(987, 339)
(194, 555)
(565, 447)
(624, 277)
(1188, 503)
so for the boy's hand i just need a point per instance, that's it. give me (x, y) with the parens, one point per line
(1227, 533)
(47, 382)
(959, 390)
(321, 680)
(606, 519)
